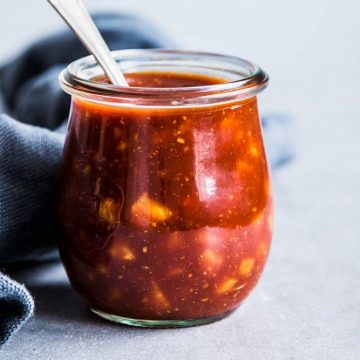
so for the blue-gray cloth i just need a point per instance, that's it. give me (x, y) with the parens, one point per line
(31, 147)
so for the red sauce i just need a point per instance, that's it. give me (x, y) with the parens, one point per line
(166, 211)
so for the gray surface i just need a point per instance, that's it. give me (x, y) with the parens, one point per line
(307, 305)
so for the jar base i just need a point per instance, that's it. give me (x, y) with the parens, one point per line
(159, 323)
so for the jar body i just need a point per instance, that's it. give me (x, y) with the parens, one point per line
(166, 212)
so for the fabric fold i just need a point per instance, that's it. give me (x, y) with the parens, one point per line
(16, 306)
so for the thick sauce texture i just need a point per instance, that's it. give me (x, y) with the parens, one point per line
(166, 212)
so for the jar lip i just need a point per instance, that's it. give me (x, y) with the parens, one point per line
(253, 79)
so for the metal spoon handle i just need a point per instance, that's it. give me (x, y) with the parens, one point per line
(76, 16)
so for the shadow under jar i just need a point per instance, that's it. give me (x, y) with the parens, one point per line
(166, 201)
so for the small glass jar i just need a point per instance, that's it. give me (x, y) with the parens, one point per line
(166, 202)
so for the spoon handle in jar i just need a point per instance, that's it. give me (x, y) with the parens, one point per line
(76, 16)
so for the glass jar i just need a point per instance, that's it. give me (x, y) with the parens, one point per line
(166, 201)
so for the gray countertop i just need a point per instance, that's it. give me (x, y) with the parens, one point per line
(307, 304)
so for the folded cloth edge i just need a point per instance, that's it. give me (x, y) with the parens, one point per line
(17, 297)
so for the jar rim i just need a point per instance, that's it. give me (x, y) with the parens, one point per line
(250, 79)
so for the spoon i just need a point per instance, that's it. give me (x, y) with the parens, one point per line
(78, 19)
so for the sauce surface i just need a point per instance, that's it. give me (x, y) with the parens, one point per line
(169, 80)
(167, 212)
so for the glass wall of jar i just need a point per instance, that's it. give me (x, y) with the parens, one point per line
(166, 202)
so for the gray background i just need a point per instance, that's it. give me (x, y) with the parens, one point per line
(307, 305)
